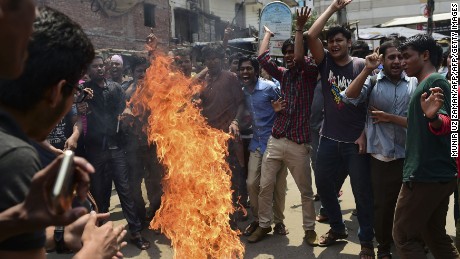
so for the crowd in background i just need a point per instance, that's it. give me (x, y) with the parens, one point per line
(333, 108)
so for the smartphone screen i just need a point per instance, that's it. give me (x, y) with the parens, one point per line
(62, 192)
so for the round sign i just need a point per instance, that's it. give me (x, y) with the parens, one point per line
(277, 17)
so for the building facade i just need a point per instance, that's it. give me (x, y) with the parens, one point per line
(370, 13)
(117, 25)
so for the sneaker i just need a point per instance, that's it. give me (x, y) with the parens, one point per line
(330, 237)
(311, 237)
(251, 228)
(259, 234)
(280, 229)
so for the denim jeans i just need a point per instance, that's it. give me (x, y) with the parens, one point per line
(332, 155)
(111, 165)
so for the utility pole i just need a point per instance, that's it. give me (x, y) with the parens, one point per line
(430, 9)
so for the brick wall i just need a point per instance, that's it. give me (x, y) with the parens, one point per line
(122, 32)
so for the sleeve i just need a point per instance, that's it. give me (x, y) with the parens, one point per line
(363, 95)
(17, 168)
(121, 99)
(273, 93)
(269, 65)
(445, 126)
(237, 90)
(22, 163)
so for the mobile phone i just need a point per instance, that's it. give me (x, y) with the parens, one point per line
(63, 189)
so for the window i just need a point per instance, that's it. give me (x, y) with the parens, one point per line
(149, 15)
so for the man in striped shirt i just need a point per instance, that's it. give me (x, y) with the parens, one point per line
(288, 143)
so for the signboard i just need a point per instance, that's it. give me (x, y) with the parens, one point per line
(277, 17)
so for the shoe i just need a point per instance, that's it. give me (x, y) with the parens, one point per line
(251, 228)
(322, 218)
(140, 242)
(259, 234)
(311, 237)
(280, 229)
(330, 237)
(367, 251)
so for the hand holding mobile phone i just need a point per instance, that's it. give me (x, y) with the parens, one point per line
(64, 186)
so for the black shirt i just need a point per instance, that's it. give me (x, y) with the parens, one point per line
(107, 103)
(18, 163)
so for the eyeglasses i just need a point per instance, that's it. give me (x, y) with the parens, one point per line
(80, 95)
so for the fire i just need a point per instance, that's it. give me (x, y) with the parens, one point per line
(196, 203)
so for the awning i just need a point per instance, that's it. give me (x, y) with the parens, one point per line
(379, 33)
(415, 20)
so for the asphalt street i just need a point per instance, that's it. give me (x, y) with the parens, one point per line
(291, 246)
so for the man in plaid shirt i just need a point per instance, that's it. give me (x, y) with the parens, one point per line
(288, 143)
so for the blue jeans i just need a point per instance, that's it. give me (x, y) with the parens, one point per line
(332, 155)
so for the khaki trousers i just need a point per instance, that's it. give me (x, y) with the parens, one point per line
(253, 185)
(297, 159)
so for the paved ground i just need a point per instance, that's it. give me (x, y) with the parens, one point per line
(291, 246)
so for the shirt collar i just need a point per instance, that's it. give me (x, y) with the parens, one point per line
(382, 75)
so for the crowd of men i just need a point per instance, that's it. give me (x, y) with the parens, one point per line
(381, 118)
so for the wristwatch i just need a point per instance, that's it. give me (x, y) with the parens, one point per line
(59, 240)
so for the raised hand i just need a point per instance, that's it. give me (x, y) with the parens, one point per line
(339, 4)
(228, 32)
(268, 31)
(431, 104)
(373, 61)
(302, 17)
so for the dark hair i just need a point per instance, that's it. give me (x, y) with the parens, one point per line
(138, 61)
(254, 63)
(183, 52)
(360, 49)
(422, 43)
(388, 44)
(237, 55)
(213, 49)
(286, 44)
(445, 56)
(58, 50)
(336, 30)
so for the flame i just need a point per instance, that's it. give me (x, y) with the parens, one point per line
(196, 203)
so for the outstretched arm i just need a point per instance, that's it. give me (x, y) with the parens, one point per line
(302, 18)
(265, 41)
(372, 62)
(316, 47)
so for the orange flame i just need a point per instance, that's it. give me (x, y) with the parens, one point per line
(196, 204)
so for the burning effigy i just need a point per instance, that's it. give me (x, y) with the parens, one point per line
(196, 203)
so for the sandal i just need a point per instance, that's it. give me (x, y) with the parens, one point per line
(367, 251)
(140, 242)
(330, 237)
(280, 229)
(251, 228)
